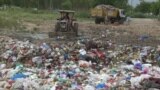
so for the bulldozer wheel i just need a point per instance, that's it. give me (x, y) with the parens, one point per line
(76, 28)
(50, 34)
(57, 27)
(97, 21)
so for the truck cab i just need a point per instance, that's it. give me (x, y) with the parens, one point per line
(122, 13)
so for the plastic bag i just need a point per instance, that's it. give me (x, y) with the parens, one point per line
(18, 75)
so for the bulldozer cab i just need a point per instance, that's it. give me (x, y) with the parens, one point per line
(66, 15)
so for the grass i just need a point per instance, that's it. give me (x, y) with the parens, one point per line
(6, 22)
(13, 17)
(158, 17)
(83, 16)
(140, 15)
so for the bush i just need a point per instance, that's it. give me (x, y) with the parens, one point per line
(82, 14)
(138, 15)
(8, 22)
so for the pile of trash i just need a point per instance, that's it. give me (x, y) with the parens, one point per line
(81, 65)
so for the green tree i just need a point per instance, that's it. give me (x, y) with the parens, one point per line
(67, 4)
(1, 2)
(116, 3)
(144, 7)
(147, 7)
(155, 8)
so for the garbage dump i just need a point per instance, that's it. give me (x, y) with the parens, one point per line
(81, 65)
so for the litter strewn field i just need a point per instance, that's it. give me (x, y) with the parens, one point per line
(124, 57)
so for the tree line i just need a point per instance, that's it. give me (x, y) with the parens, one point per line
(143, 7)
(147, 7)
(63, 4)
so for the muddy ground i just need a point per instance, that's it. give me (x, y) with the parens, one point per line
(132, 33)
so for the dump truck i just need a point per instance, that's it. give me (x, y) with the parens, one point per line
(108, 14)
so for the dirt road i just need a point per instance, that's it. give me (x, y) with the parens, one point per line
(137, 32)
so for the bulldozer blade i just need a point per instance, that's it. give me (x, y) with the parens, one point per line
(51, 34)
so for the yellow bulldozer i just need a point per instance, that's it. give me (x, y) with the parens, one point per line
(108, 14)
(66, 24)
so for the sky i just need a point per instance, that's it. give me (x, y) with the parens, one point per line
(136, 2)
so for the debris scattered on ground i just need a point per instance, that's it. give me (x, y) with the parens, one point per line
(80, 65)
